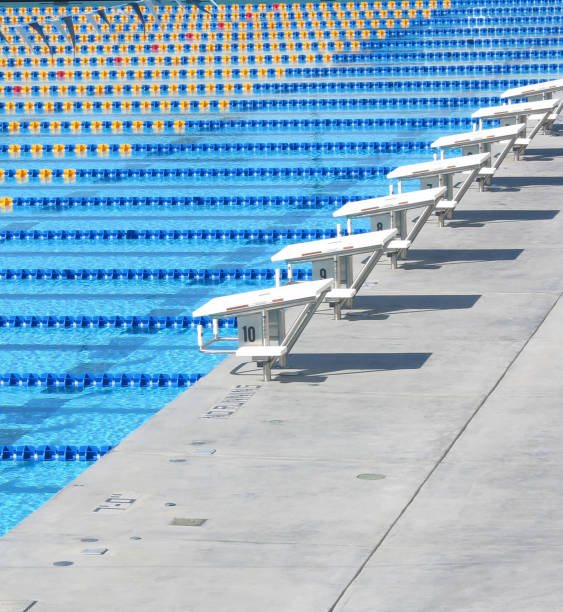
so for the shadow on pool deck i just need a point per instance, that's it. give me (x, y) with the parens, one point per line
(478, 218)
(515, 183)
(382, 306)
(315, 367)
(436, 258)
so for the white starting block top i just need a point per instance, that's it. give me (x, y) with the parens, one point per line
(456, 141)
(328, 247)
(436, 167)
(515, 110)
(264, 299)
(533, 90)
(391, 203)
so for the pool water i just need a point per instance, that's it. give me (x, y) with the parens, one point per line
(281, 157)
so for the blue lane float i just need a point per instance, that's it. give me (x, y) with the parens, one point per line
(51, 452)
(201, 275)
(148, 175)
(299, 202)
(516, 7)
(289, 105)
(395, 40)
(240, 148)
(110, 322)
(385, 57)
(204, 234)
(262, 86)
(68, 381)
(252, 125)
(318, 87)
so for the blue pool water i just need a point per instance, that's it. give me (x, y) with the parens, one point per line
(286, 168)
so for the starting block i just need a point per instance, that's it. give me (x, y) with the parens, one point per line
(332, 258)
(521, 112)
(540, 91)
(391, 211)
(440, 173)
(480, 141)
(262, 334)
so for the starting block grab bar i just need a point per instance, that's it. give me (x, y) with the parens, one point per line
(481, 141)
(521, 112)
(440, 173)
(333, 257)
(537, 91)
(260, 314)
(391, 211)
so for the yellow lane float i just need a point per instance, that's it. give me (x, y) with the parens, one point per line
(125, 150)
(69, 175)
(14, 150)
(45, 175)
(22, 175)
(5, 204)
(103, 150)
(36, 151)
(59, 150)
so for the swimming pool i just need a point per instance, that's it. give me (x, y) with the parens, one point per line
(147, 176)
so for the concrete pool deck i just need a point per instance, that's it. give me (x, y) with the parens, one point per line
(441, 389)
